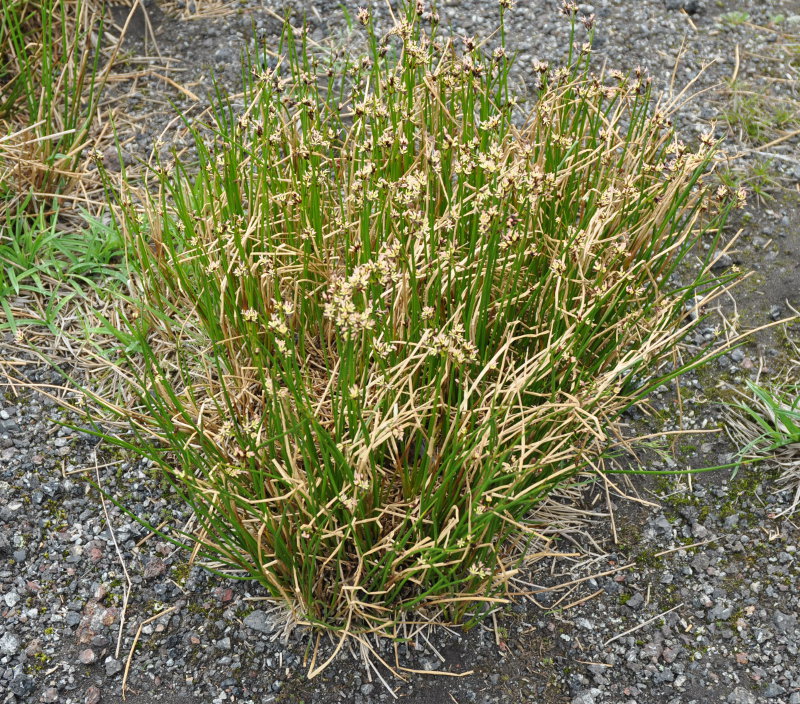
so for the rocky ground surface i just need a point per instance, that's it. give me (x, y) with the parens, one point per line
(698, 598)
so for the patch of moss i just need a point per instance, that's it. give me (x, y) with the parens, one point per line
(688, 449)
(180, 573)
(37, 663)
(648, 557)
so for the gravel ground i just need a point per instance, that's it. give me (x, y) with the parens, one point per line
(699, 598)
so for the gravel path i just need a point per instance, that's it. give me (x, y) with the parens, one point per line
(700, 602)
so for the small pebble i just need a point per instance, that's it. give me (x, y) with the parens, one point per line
(87, 656)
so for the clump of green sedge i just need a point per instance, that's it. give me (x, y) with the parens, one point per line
(387, 313)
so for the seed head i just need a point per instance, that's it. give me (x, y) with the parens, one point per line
(707, 139)
(568, 8)
(479, 570)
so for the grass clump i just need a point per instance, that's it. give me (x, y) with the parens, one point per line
(39, 254)
(50, 78)
(766, 426)
(52, 72)
(756, 117)
(387, 313)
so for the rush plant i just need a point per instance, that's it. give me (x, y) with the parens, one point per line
(50, 84)
(387, 312)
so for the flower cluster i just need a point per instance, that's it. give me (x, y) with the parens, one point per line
(348, 303)
(454, 346)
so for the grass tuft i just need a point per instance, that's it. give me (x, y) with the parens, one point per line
(387, 313)
(52, 72)
(766, 426)
(50, 63)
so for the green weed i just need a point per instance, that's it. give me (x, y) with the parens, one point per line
(734, 18)
(38, 256)
(766, 426)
